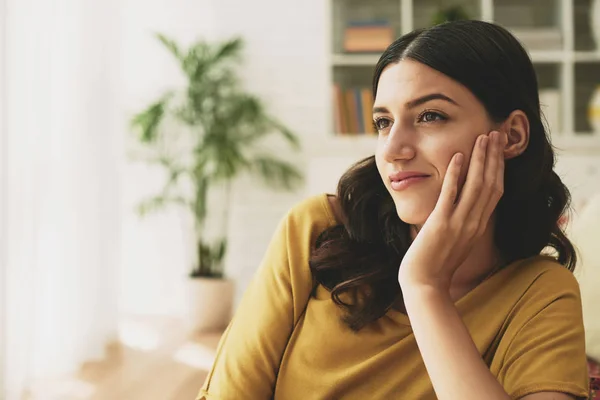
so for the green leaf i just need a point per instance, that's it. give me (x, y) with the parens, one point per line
(170, 45)
(195, 61)
(290, 136)
(205, 62)
(230, 162)
(148, 121)
(220, 250)
(229, 49)
(204, 258)
(210, 259)
(276, 173)
(247, 109)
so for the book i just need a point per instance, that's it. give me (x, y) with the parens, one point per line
(367, 38)
(352, 110)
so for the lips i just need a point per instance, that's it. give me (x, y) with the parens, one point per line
(404, 180)
(400, 176)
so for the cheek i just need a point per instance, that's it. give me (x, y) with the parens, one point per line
(442, 154)
(440, 151)
(379, 163)
(467, 151)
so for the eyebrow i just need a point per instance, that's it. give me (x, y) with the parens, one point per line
(417, 102)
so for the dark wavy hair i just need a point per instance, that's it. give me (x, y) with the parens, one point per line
(358, 260)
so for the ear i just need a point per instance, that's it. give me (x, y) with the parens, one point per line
(516, 127)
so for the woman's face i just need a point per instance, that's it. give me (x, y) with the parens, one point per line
(423, 118)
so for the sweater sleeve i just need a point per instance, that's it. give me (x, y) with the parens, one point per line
(547, 354)
(250, 350)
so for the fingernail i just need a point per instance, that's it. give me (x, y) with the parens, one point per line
(459, 159)
(484, 141)
(494, 136)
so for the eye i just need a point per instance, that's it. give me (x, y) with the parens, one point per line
(381, 123)
(431, 116)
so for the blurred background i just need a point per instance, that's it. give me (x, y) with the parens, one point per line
(148, 150)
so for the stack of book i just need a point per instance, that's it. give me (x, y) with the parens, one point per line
(353, 110)
(367, 36)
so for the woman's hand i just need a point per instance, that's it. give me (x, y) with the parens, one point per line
(454, 225)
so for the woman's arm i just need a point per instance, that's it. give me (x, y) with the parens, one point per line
(453, 363)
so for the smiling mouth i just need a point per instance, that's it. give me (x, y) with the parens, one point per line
(401, 184)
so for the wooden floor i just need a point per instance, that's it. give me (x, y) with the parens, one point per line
(156, 361)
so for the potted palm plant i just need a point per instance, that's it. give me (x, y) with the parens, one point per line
(204, 135)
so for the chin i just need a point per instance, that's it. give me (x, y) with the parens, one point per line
(412, 212)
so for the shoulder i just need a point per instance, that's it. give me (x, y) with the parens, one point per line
(544, 273)
(542, 341)
(322, 210)
(307, 219)
(537, 282)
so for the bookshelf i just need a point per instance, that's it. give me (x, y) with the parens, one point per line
(556, 33)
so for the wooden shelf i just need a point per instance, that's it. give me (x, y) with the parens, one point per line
(587, 56)
(548, 56)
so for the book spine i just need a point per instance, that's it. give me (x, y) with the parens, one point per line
(367, 100)
(351, 106)
(360, 121)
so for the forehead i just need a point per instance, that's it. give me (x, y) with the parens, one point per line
(409, 79)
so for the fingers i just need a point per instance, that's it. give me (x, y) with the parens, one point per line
(470, 204)
(494, 174)
(484, 186)
(445, 203)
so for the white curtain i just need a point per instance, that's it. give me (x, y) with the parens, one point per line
(62, 203)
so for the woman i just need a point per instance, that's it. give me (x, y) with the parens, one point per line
(423, 277)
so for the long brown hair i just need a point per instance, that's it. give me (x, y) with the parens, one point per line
(358, 260)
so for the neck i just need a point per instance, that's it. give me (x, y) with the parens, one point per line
(482, 261)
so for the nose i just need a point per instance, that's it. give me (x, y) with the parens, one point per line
(398, 145)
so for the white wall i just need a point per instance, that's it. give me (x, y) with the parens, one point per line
(3, 193)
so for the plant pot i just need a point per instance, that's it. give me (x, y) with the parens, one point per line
(209, 303)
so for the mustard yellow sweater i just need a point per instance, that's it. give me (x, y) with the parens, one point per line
(526, 321)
